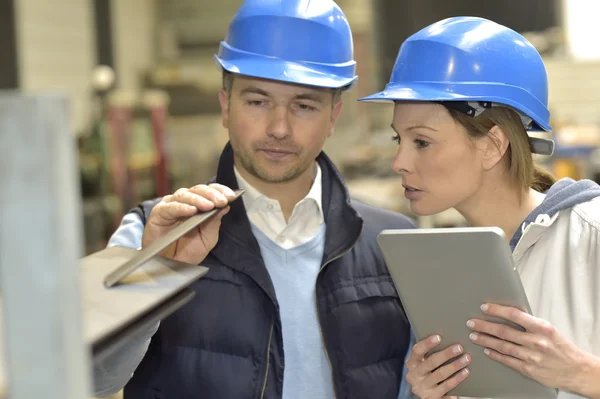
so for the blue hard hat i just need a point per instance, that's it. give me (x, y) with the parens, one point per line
(307, 42)
(474, 60)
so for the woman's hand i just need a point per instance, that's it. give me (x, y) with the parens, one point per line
(426, 377)
(540, 353)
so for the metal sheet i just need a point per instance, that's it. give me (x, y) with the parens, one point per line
(156, 247)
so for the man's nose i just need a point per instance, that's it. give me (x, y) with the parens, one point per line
(279, 126)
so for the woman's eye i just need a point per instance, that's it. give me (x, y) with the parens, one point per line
(421, 143)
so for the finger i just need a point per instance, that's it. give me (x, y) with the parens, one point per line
(189, 197)
(171, 211)
(213, 222)
(222, 213)
(451, 383)
(501, 331)
(209, 233)
(226, 191)
(517, 316)
(436, 360)
(509, 361)
(443, 373)
(216, 219)
(211, 194)
(504, 347)
(420, 349)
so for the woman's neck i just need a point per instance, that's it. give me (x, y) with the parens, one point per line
(500, 206)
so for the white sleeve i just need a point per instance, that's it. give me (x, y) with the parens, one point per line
(593, 270)
(112, 374)
(129, 233)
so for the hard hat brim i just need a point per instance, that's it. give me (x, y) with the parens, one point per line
(272, 68)
(428, 92)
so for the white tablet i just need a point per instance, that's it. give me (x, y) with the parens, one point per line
(443, 276)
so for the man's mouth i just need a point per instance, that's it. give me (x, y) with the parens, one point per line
(277, 151)
(277, 154)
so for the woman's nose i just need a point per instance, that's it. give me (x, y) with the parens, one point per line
(401, 162)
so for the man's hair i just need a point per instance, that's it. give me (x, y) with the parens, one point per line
(228, 84)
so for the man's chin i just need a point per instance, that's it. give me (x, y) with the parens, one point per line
(277, 175)
(277, 178)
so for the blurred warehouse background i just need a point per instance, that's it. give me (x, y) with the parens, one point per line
(143, 88)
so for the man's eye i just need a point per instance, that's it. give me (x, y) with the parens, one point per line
(305, 107)
(255, 103)
(396, 138)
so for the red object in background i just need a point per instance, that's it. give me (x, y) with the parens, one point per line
(120, 121)
(159, 116)
(119, 125)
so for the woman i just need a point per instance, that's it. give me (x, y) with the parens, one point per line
(467, 92)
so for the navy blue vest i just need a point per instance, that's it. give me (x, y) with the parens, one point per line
(227, 342)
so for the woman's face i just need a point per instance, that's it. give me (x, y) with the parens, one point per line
(441, 167)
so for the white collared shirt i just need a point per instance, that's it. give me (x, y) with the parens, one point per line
(266, 214)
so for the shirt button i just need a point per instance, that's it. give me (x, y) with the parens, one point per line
(270, 207)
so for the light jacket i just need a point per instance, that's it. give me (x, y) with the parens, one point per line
(558, 259)
(557, 255)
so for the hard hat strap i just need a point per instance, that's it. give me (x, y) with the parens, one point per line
(476, 108)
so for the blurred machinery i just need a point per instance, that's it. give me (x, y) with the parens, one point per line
(123, 157)
(577, 152)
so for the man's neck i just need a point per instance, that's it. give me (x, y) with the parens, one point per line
(288, 193)
(500, 206)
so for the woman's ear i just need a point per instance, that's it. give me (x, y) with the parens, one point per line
(494, 147)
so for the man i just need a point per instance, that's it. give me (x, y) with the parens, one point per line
(298, 302)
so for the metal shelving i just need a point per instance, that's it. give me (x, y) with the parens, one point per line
(45, 354)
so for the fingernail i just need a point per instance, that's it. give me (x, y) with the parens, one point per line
(456, 350)
(229, 192)
(470, 324)
(484, 308)
(464, 371)
(436, 339)
(464, 359)
(486, 351)
(473, 337)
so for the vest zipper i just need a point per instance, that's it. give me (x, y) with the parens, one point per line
(319, 314)
(264, 387)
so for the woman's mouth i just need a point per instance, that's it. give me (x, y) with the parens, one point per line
(412, 193)
(409, 188)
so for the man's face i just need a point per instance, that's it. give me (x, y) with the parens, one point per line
(277, 129)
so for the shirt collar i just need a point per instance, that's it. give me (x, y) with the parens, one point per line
(252, 195)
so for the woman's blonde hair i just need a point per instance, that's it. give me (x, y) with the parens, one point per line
(522, 170)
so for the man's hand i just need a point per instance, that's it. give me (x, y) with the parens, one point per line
(173, 209)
